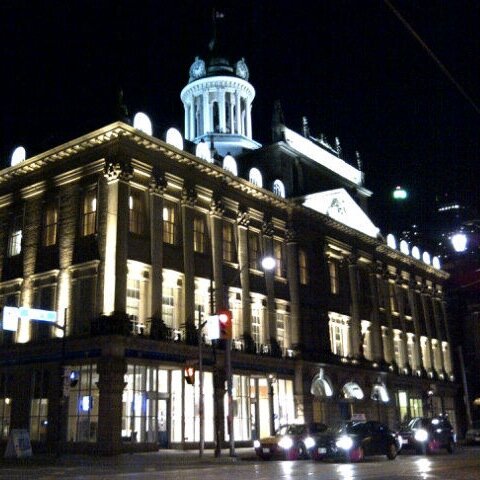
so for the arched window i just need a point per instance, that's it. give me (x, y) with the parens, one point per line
(230, 164)
(321, 385)
(352, 391)
(279, 188)
(391, 241)
(174, 137)
(202, 151)
(380, 393)
(255, 177)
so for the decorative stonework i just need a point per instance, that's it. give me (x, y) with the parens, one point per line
(189, 197)
(268, 229)
(243, 219)
(118, 171)
(291, 236)
(217, 207)
(157, 185)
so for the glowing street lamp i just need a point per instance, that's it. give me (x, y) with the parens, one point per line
(459, 242)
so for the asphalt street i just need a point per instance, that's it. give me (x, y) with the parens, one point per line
(178, 465)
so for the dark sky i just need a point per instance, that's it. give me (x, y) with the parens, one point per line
(351, 67)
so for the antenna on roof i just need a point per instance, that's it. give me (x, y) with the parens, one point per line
(305, 127)
(122, 110)
(278, 122)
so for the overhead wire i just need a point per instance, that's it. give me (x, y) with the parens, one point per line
(442, 67)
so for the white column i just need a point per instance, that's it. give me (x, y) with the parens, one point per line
(248, 114)
(221, 111)
(238, 113)
(192, 119)
(187, 120)
(206, 115)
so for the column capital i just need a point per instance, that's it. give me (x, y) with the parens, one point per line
(217, 208)
(243, 218)
(157, 184)
(115, 170)
(267, 228)
(189, 197)
(352, 260)
(291, 236)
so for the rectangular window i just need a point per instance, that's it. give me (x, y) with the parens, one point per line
(89, 219)
(168, 307)
(137, 213)
(199, 234)
(83, 404)
(5, 405)
(303, 267)
(133, 306)
(253, 250)
(393, 297)
(39, 406)
(257, 326)
(278, 255)
(50, 220)
(281, 329)
(15, 237)
(169, 219)
(228, 242)
(333, 272)
(339, 333)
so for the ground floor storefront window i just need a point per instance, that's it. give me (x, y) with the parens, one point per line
(83, 403)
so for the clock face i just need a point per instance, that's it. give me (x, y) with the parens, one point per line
(197, 69)
(242, 69)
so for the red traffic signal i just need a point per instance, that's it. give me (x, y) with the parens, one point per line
(225, 324)
(190, 375)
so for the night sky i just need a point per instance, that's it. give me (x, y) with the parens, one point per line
(350, 67)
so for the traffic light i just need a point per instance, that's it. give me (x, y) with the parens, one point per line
(190, 374)
(225, 324)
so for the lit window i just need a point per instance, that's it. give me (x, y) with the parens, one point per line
(230, 164)
(133, 306)
(199, 235)
(255, 177)
(281, 329)
(137, 213)
(202, 151)
(333, 272)
(168, 306)
(50, 220)
(278, 254)
(15, 238)
(169, 217)
(39, 406)
(279, 188)
(253, 250)
(257, 325)
(89, 223)
(174, 137)
(302, 267)
(228, 242)
(339, 327)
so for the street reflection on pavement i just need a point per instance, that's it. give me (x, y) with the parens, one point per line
(345, 471)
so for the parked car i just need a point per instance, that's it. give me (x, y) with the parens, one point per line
(473, 433)
(354, 441)
(290, 442)
(427, 435)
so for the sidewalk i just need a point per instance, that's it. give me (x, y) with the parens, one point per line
(162, 459)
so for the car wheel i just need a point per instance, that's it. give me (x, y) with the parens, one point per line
(356, 454)
(451, 446)
(391, 452)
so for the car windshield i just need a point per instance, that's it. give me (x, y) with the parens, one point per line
(408, 424)
(291, 430)
(318, 428)
(345, 427)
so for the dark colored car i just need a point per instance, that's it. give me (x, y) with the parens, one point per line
(290, 442)
(473, 433)
(354, 441)
(427, 435)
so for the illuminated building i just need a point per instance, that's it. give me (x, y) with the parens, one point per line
(124, 235)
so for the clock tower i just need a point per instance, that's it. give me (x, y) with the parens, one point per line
(218, 103)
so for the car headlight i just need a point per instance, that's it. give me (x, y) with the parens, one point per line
(421, 435)
(344, 442)
(309, 443)
(400, 440)
(256, 444)
(285, 443)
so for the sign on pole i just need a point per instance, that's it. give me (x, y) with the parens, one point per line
(18, 445)
(10, 318)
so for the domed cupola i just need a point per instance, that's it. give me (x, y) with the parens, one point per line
(218, 103)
